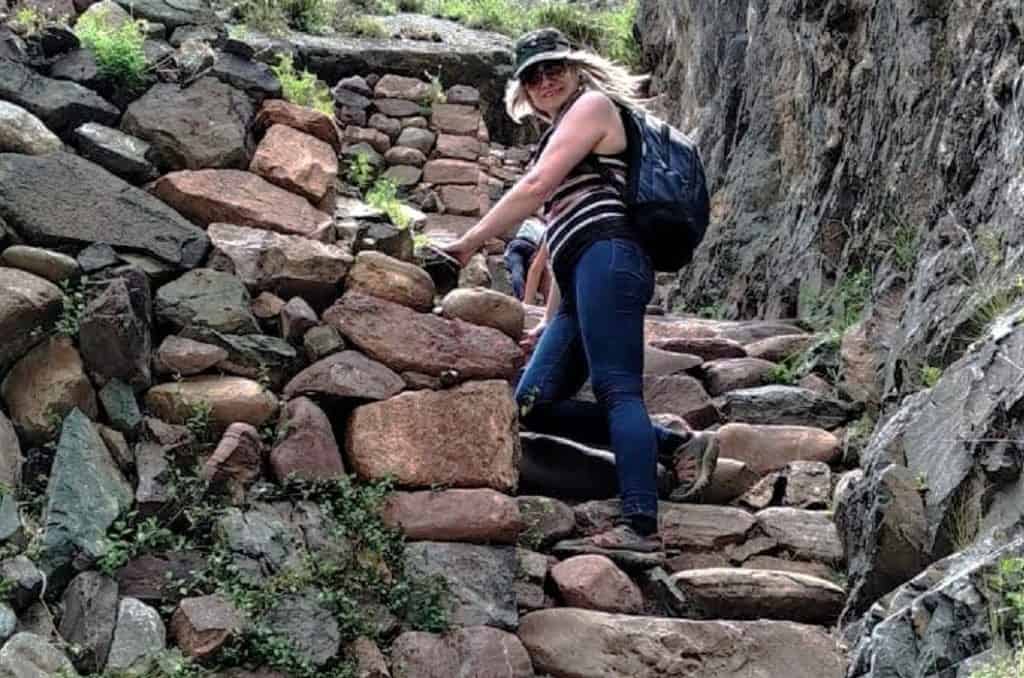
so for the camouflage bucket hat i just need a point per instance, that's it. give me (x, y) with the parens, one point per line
(545, 44)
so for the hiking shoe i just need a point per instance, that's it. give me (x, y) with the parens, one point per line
(695, 462)
(623, 537)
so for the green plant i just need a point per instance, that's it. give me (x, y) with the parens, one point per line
(116, 47)
(1008, 666)
(361, 171)
(200, 419)
(1005, 589)
(619, 41)
(413, 6)
(72, 307)
(384, 196)
(435, 95)
(997, 302)
(130, 536)
(303, 88)
(921, 482)
(275, 17)
(930, 375)
(362, 26)
(28, 20)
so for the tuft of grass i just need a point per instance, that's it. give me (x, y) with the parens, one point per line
(930, 375)
(72, 307)
(384, 196)
(362, 26)
(304, 88)
(275, 17)
(1008, 666)
(361, 171)
(28, 20)
(117, 49)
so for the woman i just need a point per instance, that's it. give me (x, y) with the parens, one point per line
(594, 319)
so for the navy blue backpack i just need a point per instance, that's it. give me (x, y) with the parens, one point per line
(666, 190)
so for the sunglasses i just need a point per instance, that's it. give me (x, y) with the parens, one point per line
(535, 74)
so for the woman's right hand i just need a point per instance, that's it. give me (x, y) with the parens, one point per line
(531, 337)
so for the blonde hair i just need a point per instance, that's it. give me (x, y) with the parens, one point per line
(595, 72)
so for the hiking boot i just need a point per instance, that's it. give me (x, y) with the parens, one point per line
(695, 462)
(623, 537)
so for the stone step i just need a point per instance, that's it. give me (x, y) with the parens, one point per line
(746, 594)
(573, 643)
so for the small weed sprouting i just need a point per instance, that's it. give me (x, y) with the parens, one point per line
(72, 307)
(361, 172)
(384, 196)
(275, 17)
(199, 420)
(28, 20)
(303, 88)
(116, 47)
(435, 95)
(131, 536)
(930, 375)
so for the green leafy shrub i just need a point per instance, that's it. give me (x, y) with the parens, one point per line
(117, 49)
(361, 171)
(304, 88)
(930, 375)
(362, 26)
(384, 196)
(275, 17)
(28, 20)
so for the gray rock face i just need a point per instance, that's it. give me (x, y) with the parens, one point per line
(27, 655)
(85, 495)
(786, 405)
(22, 132)
(310, 628)
(117, 152)
(139, 635)
(938, 620)
(206, 299)
(256, 356)
(115, 337)
(202, 126)
(480, 579)
(61, 105)
(26, 581)
(89, 618)
(798, 106)
(63, 200)
(172, 13)
(252, 77)
(348, 374)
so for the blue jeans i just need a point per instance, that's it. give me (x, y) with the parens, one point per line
(518, 255)
(599, 329)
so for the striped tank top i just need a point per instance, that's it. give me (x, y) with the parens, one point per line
(588, 206)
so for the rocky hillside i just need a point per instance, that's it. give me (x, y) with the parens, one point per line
(251, 426)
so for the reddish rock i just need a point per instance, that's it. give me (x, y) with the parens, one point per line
(44, 386)
(458, 147)
(447, 171)
(404, 176)
(731, 374)
(296, 162)
(477, 651)
(808, 485)
(400, 87)
(594, 582)
(28, 301)
(150, 578)
(682, 526)
(369, 660)
(455, 118)
(806, 535)
(731, 479)
(401, 155)
(200, 626)
(237, 460)
(379, 275)
(420, 139)
(297, 316)
(487, 308)
(348, 374)
(308, 450)
(367, 135)
(397, 108)
(446, 227)
(178, 355)
(859, 362)
(462, 94)
(681, 395)
(813, 382)
(244, 199)
(462, 437)
(389, 126)
(476, 516)
(405, 340)
(769, 448)
(288, 265)
(267, 306)
(708, 348)
(314, 123)
(461, 200)
(231, 399)
(778, 348)
(658, 362)
(545, 521)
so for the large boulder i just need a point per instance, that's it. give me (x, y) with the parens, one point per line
(478, 516)
(347, 375)
(170, 14)
(301, 118)
(787, 405)
(307, 448)
(463, 437)
(63, 200)
(61, 105)
(405, 340)
(766, 448)
(242, 198)
(230, 399)
(573, 643)
(28, 302)
(122, 154)
(379, 275)
(286, 265)
(297, 162)
(486, 308)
